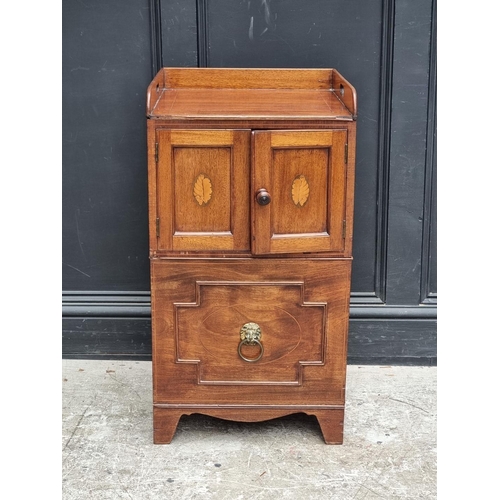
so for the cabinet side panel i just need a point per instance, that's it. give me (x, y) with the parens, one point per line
(152, 208)
(349, 188)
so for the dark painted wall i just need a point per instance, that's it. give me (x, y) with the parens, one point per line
(385, 48)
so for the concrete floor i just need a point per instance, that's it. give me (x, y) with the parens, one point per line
(389, 448)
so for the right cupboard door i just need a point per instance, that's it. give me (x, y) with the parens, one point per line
(299, 184)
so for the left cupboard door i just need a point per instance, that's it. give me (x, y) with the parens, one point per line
(202, 190)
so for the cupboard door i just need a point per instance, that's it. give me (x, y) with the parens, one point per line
(203, 190)
(299, 181)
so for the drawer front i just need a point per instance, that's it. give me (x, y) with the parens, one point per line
(303, 174)
(241, 330)
(202, 190)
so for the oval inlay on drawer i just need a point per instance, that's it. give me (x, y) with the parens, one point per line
(281, 333)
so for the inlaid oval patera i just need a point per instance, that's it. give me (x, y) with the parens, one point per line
(280, 329)
(300, 190)
(202, 190)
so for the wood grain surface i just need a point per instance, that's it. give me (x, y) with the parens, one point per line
(221, 221)
(199, 307)
(317, 225)
(250, 231)
(199, 93)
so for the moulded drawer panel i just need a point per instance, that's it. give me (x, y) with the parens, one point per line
(201, 306)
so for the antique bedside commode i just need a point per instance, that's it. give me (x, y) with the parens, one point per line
(251, 181)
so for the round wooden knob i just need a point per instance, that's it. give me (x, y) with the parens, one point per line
(263, 197)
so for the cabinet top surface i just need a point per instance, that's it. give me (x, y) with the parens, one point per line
(239, 94)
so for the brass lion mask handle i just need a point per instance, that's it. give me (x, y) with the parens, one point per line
(250, 334)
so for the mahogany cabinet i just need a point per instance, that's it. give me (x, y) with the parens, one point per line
(251, 180)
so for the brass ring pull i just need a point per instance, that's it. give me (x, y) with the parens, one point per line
(250, 334)
(251, 360)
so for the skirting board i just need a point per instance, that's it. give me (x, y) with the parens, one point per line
(100, 326)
